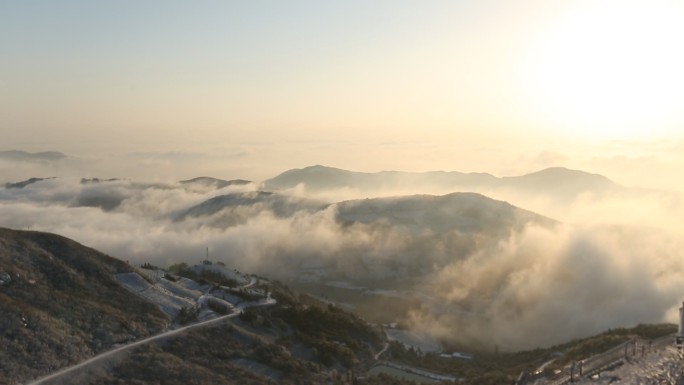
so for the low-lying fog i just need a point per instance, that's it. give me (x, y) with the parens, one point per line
(612, 260)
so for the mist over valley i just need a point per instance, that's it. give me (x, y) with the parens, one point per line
(459, 266)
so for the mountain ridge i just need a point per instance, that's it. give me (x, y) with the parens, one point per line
(24, 156)
(318, 178)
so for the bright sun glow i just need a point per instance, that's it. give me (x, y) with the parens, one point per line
(611, 71)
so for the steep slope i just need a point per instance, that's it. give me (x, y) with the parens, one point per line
(62, 304)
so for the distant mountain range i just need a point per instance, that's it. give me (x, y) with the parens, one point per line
(23, 156)
(557, 180)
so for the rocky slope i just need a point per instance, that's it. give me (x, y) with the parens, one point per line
(60, 303)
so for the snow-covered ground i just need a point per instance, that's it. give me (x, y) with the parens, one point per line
(190, 285)
(170, 302)
(661, 365)
(664, 366)
(174, 294)
(180, 290)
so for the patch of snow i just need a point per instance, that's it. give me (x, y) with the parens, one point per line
(179, 290)
(153, 275)
(191, 285)
(663, 366)
(168, 302)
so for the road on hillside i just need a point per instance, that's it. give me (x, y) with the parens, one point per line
(238, 309)
(384, 349)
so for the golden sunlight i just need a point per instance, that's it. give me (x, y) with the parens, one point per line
(610, 71)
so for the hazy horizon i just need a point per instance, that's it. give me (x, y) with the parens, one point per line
(247, 90)
(653, 165)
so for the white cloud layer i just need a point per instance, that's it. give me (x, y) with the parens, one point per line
(615, 262)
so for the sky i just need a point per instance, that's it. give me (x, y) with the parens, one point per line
(249, 89)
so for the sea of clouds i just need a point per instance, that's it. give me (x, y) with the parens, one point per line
(611, 261)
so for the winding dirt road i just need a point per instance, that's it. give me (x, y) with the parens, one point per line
(238, 309)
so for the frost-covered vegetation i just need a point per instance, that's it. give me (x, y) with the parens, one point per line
(63, 305)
